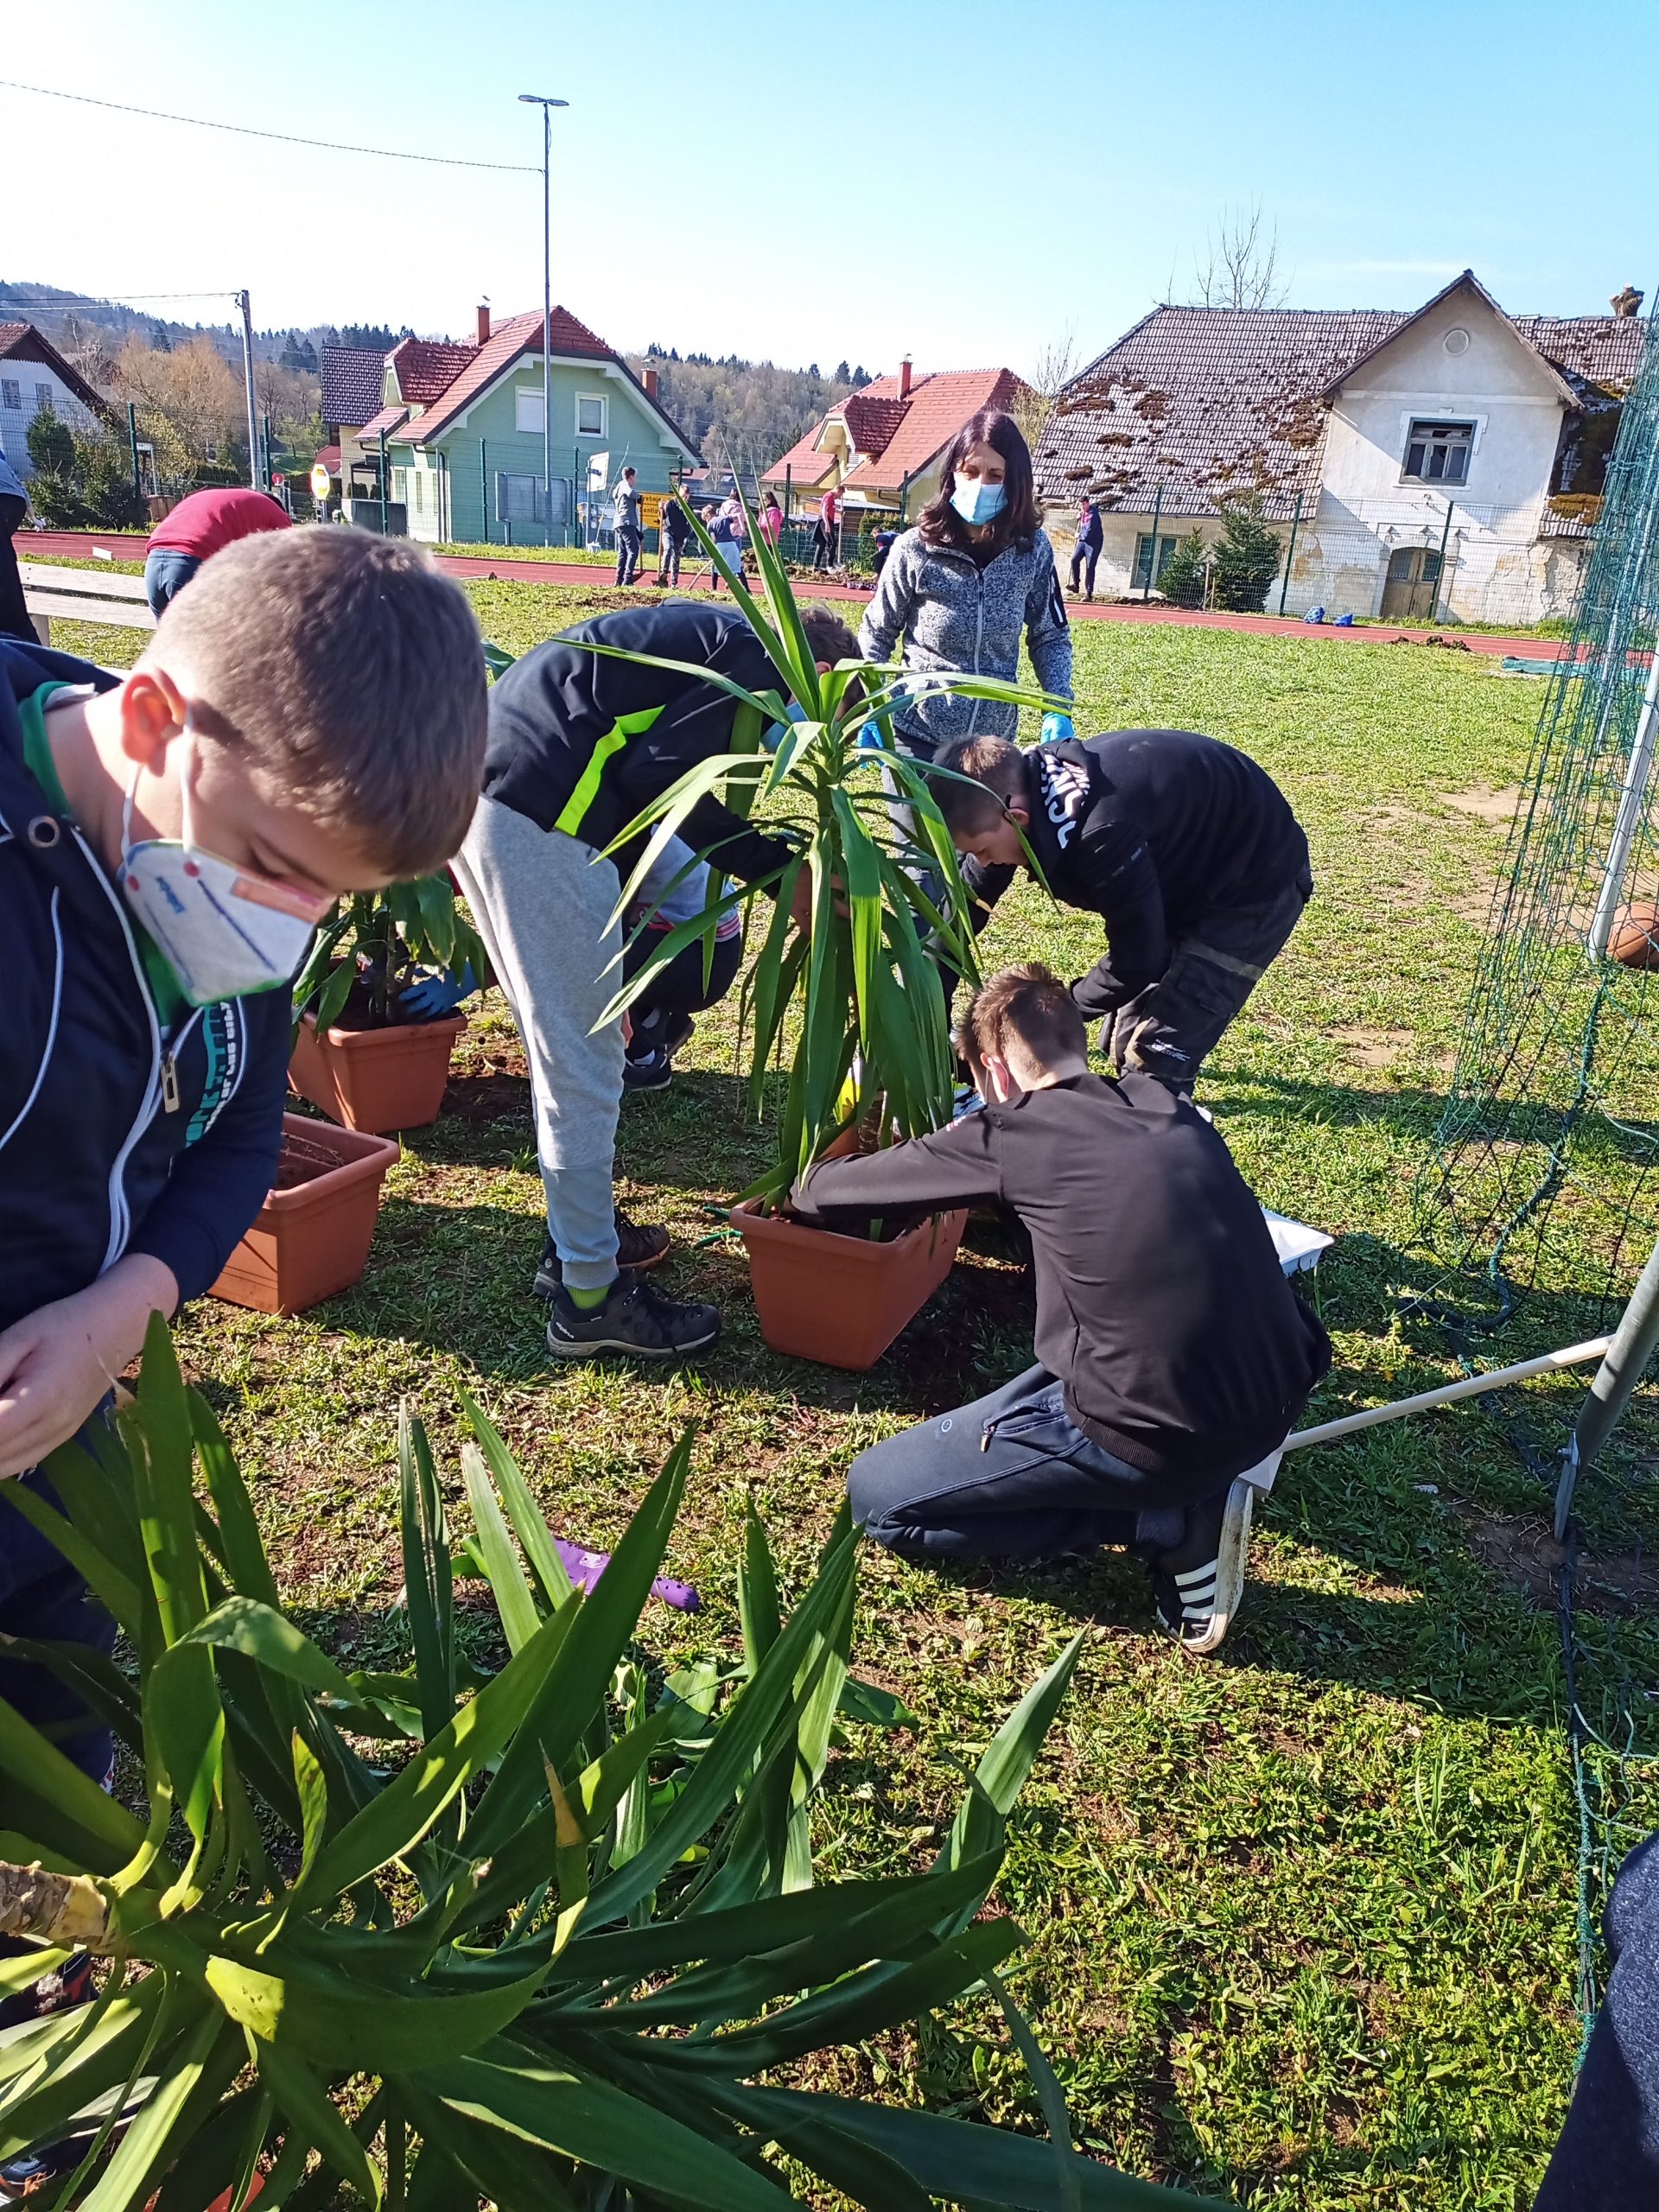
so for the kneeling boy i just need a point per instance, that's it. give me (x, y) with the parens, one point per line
(1173, 1355)
(1187, 850)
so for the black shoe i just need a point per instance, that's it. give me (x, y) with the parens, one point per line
(1198, 1586)
(649, 1070)
(639, 1245)
(634, 1319)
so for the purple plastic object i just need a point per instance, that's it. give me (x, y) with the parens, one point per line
(584, 1568)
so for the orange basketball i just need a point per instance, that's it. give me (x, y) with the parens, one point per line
(1634, 938)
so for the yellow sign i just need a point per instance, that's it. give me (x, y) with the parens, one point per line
(320, 482)
(651, 510)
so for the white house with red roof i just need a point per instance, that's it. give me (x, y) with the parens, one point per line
(462, 426)
(1445, 463)
(883, 446)
(35, 379)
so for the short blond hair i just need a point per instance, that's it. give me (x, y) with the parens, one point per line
(348, 675)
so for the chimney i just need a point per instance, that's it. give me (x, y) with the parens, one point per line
(1627, 303)
(652, 381)
(904, 378)
(483, 323)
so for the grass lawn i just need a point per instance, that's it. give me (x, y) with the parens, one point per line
(1301, 1920)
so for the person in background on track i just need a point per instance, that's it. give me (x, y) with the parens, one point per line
(1174, 1357)
(959, 591)
(728, 533)
(772, 520)
(13, 506)
(199, 526)
(826, 538)
(672, 531)
(624, 499)
(1091, 535)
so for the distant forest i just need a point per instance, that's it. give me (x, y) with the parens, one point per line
(741, 414)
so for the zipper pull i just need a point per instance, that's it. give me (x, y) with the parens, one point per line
(169, 1085)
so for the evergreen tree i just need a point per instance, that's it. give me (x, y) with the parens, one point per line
(843, 374)
(1183, 580)
(1246, 558)
(159, 342)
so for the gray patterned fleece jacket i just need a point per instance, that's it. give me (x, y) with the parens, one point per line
(956, 616)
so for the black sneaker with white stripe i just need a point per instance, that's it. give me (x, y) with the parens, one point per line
(640, 1244)
(634, 1318)
(1199, 1584)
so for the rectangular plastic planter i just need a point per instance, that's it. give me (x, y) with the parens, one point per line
(311, 1241)
(376, 1079)
(842, 1300)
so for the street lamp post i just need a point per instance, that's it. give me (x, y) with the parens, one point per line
(547, 105)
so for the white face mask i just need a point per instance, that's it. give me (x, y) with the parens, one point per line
(224, 931)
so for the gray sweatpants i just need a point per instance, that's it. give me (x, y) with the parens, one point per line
(543, 902)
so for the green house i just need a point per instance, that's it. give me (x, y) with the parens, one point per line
(462, 426)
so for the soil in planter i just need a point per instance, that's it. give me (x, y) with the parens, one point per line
(301, 1161)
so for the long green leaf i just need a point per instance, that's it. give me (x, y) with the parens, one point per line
(519, 1617)
(310, 2108)
(528, 1523)
(428, 1577)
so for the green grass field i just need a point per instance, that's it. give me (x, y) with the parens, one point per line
(1302, 1921)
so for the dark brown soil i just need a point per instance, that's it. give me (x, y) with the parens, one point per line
(302, 1161)
(1525, 1554)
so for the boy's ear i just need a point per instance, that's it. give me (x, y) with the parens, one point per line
(152, 713)
(1017, 810)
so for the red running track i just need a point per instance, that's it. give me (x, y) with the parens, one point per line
(68, 544)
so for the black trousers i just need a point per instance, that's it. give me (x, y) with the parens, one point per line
(14, 614)
(678, 989)
(1013, 1476)
(668, 558)
(1080, 555)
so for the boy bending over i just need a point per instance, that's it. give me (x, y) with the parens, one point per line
(1173, 1356)
(1187, 850)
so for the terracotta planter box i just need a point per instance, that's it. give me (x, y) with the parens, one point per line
(314, 1231)
(842, 1300)
(376, 1079)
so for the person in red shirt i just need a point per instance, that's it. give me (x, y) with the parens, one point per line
(197, 526)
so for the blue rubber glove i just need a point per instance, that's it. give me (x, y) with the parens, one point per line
(1056, 726)
(437, 993)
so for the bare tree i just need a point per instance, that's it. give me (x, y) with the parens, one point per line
(1240, 269)
(1050, 372)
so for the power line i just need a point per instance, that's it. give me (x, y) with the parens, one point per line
(283, 137)
(17, 299)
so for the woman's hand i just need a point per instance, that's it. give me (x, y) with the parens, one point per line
(57, 1363)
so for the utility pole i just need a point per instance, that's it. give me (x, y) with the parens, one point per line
(247, 378)
(546, 105)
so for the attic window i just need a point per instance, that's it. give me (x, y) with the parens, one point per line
(590, 415)
(1438, 452)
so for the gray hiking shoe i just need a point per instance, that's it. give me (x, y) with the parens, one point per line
(634, 1318)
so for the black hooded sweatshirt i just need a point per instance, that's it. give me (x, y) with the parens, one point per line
(1152, 829)
(1161, 1305)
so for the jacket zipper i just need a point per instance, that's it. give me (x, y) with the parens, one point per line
(979, 647)
(169, 1083)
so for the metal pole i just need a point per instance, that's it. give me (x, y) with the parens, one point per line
(382, 483)
(1466, 1386)
(132, 441)
(547, 325)
(1632, 1347)
(788, 490)
(484, 488)
(1151, 550)
(1290, 551)
(1440, 575)
(264, 425)
(241, 301)
(1633, 805)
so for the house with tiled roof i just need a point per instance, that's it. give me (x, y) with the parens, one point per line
(462, 426)
(34, 378)
(1441, 463)
(882, 446)
(351, 395)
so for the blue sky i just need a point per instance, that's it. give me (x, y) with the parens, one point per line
(956, 178)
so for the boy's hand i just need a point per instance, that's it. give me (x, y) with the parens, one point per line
(57, 1363)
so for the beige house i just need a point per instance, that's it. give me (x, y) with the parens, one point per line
(883, 446)
(1445, 463)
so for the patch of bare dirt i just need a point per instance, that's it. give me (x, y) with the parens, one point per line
(1523, 1552)
(1371, 1048)
(1496, 807)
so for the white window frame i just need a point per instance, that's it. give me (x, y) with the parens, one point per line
(527, 395)
(43, 398)
(419, 475)
(1451, 419)
(11, 394)
(600, 400)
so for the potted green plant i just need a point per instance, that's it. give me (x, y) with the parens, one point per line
(359, 1054)
(854, 1011)
(542, 1936)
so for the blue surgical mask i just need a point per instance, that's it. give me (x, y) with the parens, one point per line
(976, 501)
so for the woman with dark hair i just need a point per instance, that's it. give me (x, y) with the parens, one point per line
(960, 589)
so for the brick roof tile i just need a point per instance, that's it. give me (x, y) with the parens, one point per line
(351, 384)
(899, 436)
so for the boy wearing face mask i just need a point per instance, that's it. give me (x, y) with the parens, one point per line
(960, 591)
(309, 719)
(1174, 1356)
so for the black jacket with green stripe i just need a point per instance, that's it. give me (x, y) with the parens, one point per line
(581, 742)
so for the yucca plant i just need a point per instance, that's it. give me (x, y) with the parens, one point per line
(527, 1936)
(888, 902)
(375, 939)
